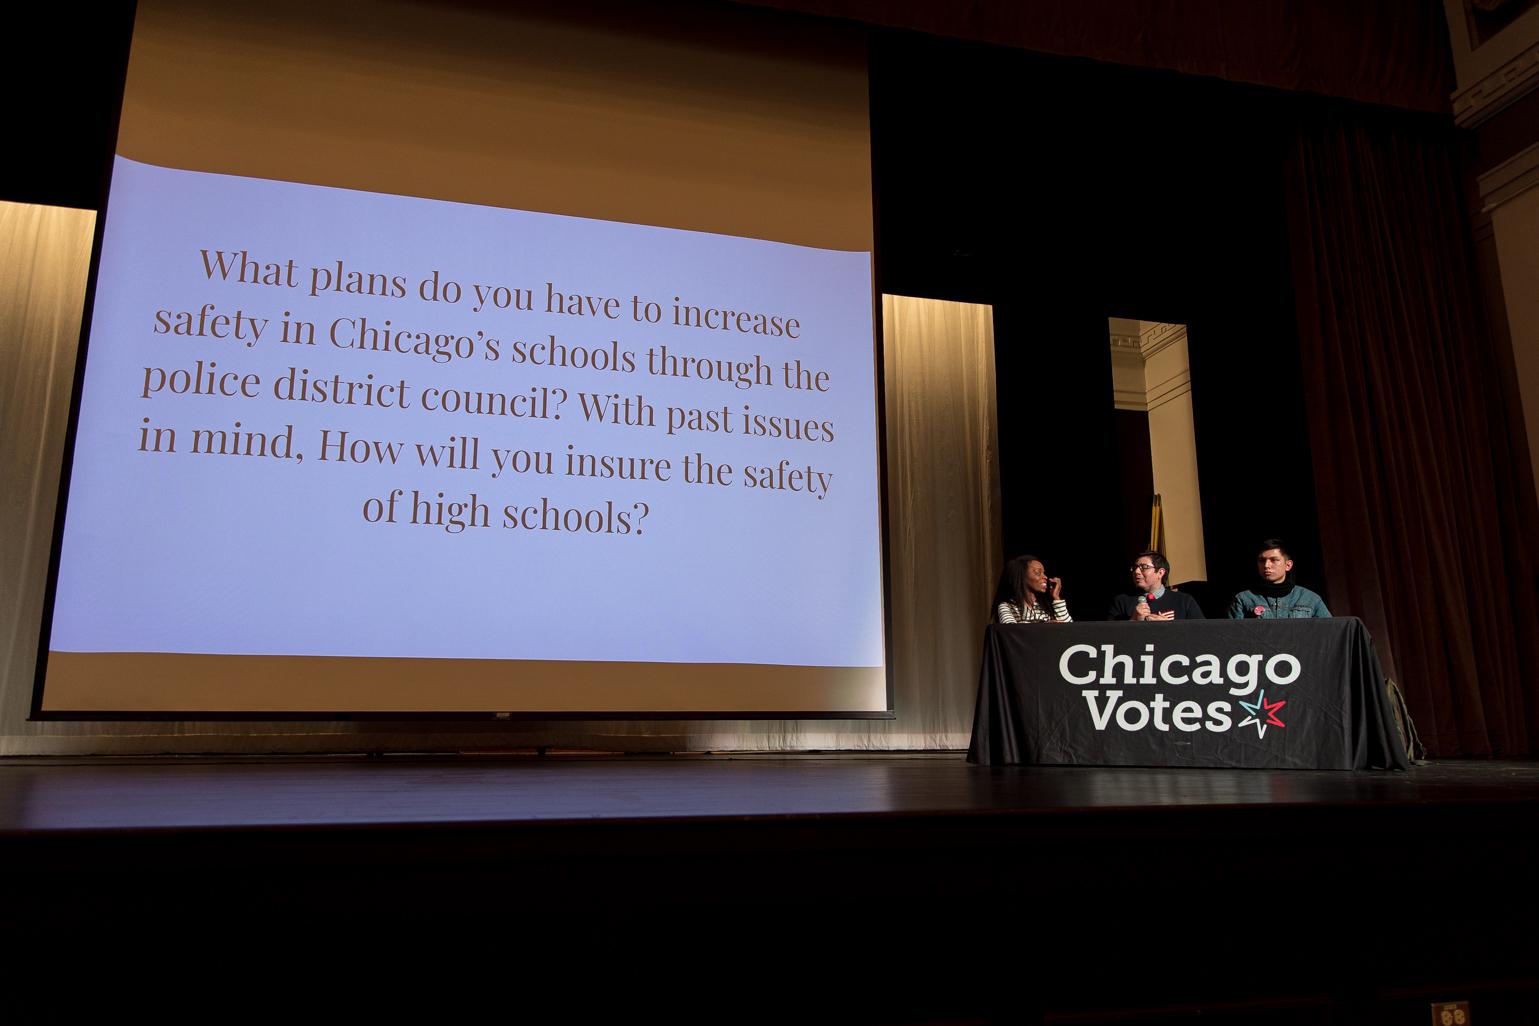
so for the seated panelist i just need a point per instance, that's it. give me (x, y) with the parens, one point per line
(1152, 601)
(1027, 595)
(1274, 596)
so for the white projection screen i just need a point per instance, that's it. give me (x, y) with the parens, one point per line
(448, 359)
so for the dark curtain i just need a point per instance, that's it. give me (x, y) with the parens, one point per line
(1427, 510)
(1392, 52)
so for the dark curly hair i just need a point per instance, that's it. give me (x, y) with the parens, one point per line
(1012, 582)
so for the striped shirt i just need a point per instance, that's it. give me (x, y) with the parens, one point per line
(1009, 612)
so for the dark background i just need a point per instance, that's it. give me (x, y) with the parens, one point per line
(1064, 192)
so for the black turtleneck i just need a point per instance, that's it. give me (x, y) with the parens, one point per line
(1267, 589)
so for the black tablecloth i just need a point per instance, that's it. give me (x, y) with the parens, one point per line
(1273, 694)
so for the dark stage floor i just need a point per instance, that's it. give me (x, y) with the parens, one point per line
(47, 795)
(902, 888)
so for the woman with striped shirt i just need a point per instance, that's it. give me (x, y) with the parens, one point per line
(1027, 595)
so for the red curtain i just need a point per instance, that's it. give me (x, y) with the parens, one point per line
(1427, 510)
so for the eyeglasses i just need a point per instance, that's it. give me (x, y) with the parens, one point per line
(1146, 567)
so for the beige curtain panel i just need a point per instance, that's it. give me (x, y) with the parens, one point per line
(942, 508)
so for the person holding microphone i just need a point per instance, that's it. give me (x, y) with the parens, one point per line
(1153, 602)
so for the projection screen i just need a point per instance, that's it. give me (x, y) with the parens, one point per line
(446, 360)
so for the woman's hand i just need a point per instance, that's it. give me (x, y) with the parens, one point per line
(1055, 587)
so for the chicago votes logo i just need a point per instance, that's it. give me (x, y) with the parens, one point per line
(1113, 702)
(1261, 707)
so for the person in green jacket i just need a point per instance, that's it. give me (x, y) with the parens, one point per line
(1275, 596)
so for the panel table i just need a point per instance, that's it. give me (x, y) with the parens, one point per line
(1273, 694)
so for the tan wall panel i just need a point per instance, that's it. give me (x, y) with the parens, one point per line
(1173, 452)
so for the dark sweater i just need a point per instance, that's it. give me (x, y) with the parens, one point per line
(1185, 606)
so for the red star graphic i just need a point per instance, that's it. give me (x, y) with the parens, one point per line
(1271, 711)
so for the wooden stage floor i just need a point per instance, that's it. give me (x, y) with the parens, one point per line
(920, 888)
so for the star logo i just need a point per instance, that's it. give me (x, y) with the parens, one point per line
(1259, 708)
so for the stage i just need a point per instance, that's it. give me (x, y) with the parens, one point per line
(921, 888)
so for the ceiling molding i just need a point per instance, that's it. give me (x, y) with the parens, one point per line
(1509, 179)
(1158, 337)
(1126, 399)
(1498, 90)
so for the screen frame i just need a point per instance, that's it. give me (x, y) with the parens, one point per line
(39, 712)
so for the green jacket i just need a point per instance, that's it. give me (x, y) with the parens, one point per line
(1298, 604)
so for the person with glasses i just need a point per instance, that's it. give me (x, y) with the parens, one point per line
(1275, 596)
(1027, 595)
(1153, 601)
